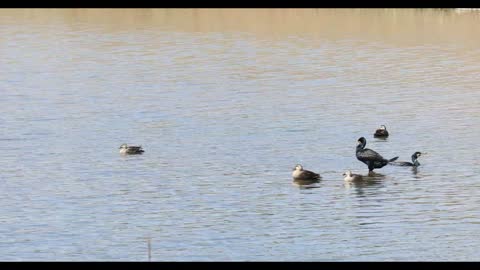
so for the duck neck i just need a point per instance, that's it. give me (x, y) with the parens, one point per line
(360, 147)
(415, 161)
(296, 173)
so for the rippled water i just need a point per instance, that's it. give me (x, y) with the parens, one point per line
(225, 103)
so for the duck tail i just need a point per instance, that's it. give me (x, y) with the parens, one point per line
(393, 159)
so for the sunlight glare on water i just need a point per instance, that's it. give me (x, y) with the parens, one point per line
(225, 102)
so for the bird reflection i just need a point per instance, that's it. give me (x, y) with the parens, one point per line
(416, 173)
(370, 180)
(306, 184)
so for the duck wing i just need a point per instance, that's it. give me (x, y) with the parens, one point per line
(309, 175)
(402, 163)
(381, 132)
(357, 177)
(135, 149)
(369, 155)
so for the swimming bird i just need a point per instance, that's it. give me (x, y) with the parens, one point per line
(130, 150)
(371, 158)
(381, 132)
(350, 177)
(304, 176)
(414, 162)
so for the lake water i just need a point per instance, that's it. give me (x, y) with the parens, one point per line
(226, 103)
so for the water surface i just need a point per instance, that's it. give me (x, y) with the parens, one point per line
(225, 103)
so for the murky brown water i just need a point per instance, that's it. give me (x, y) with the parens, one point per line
(225, 103)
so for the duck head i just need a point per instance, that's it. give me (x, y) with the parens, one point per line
(361, 142)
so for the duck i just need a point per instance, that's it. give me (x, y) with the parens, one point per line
(130, 150)
(304, 176)
(350, 177)
(414, 162)
(371, 158)
(381, 132)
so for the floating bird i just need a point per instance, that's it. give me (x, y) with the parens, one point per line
(303, 176)
(371, 158)
(381, 132)
(350, 177)
(130, 150)
(414, 162)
